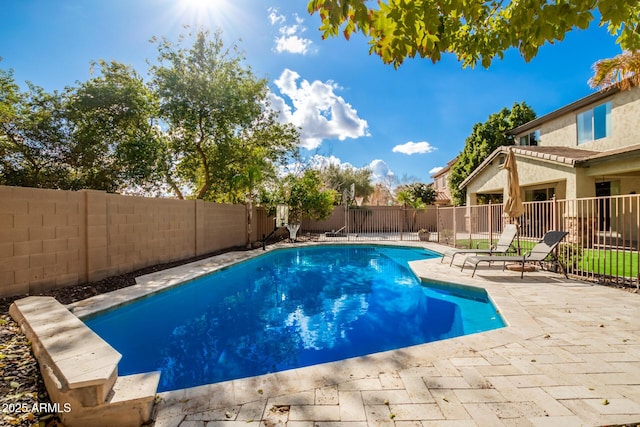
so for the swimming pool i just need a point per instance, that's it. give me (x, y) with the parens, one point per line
(289, 308)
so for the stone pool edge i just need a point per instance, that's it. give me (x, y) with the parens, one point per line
(159, 281)
(172, 405)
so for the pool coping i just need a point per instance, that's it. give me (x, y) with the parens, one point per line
(153, 283)
(519, 325)
(297, 387)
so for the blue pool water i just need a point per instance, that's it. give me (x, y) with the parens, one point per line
(289, 308)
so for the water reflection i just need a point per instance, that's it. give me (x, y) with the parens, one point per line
(287, 309)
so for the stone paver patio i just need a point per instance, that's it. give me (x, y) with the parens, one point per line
(569, 356)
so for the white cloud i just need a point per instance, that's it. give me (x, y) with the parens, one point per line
(414, 148)
(380, 172)
(290, 39)
(435, 170)
(316, 109)
(292, 44)
(275, 17)
(318, 161)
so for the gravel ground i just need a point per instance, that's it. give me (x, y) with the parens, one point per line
(22, 391)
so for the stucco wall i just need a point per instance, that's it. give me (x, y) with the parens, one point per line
(532, 174)
(561, 132)
(54, 238)
(625, 114)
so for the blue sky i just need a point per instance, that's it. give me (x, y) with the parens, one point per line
(351, 107)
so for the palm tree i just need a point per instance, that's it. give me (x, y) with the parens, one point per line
(409, 200)
(622, 71)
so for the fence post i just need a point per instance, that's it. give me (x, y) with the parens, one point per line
(554, 212)
(490, 225)
(346, 220)
(438, 222)
(455, 227)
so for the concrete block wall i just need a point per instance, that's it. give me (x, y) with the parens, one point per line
(147, 231)
(42, 239)
(225, 226)
(54, 238)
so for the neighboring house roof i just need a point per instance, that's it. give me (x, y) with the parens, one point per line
(442, 197)
(573, 157)
(445, 169)
(577, 105)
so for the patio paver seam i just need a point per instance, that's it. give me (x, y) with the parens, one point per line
(564, 358)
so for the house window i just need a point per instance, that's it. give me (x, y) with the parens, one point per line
(594, 124)
(444, 180)
(530, 139)
(539, 195)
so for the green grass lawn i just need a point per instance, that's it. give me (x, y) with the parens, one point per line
(610, 263)
(597, 261)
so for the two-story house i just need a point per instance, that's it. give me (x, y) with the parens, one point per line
(441, 184)
(588, 148)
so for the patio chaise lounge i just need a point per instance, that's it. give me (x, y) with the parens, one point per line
(504, 244)
(543, 249)
(333, 233)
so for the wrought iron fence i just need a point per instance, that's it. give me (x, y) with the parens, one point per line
(602, 244)
(376, 223)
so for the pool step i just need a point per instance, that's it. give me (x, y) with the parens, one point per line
(80, 370)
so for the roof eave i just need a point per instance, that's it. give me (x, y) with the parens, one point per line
(577, 105)
(520, 151)
(484, 164)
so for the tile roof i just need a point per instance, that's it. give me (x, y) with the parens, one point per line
(566, 155)
(441, 196)
(573, 157)
(610, 153)
(445, 169)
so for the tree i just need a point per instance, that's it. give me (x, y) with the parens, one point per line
(217, 117)
(473, 30)
(381, 195)
(9, 96)
(246, 183)
(411, 196)
(342, 178)
(256, 155)
(99, 135)
(34, 138)
(418, 190)
(484, 139)
(251, 159)
(116, 142)
(622, 70)
(304, 195)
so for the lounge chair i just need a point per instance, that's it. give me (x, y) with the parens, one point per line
(333, 233)
(504, 245)
(543, 249)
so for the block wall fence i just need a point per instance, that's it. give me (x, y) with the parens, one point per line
(54, 238)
